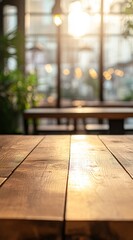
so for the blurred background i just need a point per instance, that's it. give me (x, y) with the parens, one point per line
(85, 56)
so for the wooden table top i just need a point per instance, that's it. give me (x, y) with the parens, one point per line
(66, 187)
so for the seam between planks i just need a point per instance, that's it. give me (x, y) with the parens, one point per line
(116, 158)
(21, 161)
(66, 191)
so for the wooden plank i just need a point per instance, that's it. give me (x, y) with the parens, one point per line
(7, 141)
(32, 200)
(122, 148)
(13, 150)
(100, 196)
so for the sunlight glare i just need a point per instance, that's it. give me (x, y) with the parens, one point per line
(77, 20)
(79, 180)
(107, 5)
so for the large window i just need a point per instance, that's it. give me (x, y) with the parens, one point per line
(118, 58)
(81, 33)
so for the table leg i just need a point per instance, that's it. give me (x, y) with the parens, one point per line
(116, 126)
(34, 126)
(84, 123)
(26, 126)
(58, 121)
(75, 124)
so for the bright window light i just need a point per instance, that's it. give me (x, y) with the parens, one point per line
(77, 20)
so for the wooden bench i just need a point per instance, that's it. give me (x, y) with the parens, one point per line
(66, 187)
(115, 116)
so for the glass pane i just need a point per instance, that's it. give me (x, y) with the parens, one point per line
(115, 6)
(82, 18)
(118, 71)
(10, 18)
(83, 25)
(87, 5)
(117, 49)
(8, 9)
(41, 58)
(113, 24)
(39, 6)
(79, 69)
(40, 25)
(12, 64)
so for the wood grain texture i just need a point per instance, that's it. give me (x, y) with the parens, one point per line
(32, 201)
(2, 180)
(122, 148)
(100, 196)
(13, 150)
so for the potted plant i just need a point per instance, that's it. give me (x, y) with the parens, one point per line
(17, 89)
(17, 92)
